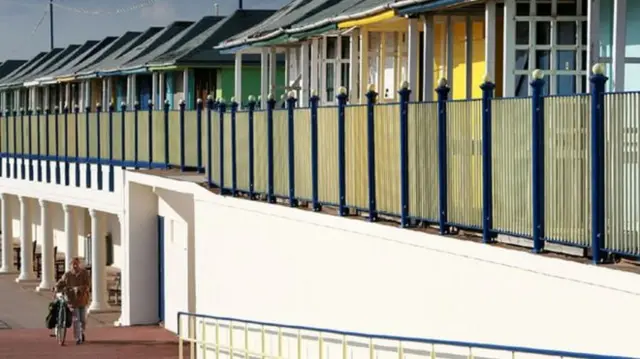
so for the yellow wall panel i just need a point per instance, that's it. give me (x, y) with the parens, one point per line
(459, 71)
(477, 55)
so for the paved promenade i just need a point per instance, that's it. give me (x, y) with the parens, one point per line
(23, 335)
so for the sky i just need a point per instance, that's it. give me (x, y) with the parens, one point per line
(76, 21)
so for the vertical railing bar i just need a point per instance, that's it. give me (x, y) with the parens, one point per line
(183, 149)
(315, 203)
(87, 150)
(342, 173)
(537, 158)
(167, 156)
(57, 143)
(271, 103)
(111, 168)
(217, 339)
(221, 110)
(487, 179)
(199, 165)
(136, 113)
(209, 142)
(23, 172)
(246, 341)
(76, 120)
(443, 94)
(150, 134)
(99, 144)
(252, 107)
(123, 134)
(234, 154)
(30, 121)
(66, 146)
(404, 93)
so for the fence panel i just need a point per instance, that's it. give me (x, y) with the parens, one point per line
(4, 136)
(242, 150)
(92, 123)
(511, 166)
(328, 192)
(622, 172)
(567, 176)
(227, 148)
(104, 135)
(158, 137)
(174, 138)
(423, 161)
(387, 147)
(143, 136)
(19, 134)
(71, 135)
(464, 163)
(190, 139)
(11, 140)
(83, 151)
(356, 156)
(302, 148)
(260, 157)
(280, 153)
(129, 126)
(215, 146)
(204, 138)
(30, 133)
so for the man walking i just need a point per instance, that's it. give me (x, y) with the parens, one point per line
(76, 283)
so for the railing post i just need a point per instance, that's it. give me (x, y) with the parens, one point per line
(99, 143)
(234, 159)
(443, 95)
(23, 168)
(47, 145)
(404, 93)
(88, 143)
(537, 159)
(7, 118)
(30, 120)
(271, 104)
(123, 135)
(66, 146)
(372, 95)
(221, 110)
(76, 110)
(252, 108)
(56, 123)
(487, 181)
(167, 155)
(199, 166)
(111, 169)
(209, 141)
(291, 105)
(342, 173)
(150, 134)
(598, 232)
(313, 105)
(38, 147)
(182, 137)
(136, 113)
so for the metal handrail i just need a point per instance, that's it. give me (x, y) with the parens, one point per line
(244, 324)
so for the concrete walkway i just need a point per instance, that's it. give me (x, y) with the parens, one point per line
(23, 333)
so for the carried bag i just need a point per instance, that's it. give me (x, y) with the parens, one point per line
(52, 316)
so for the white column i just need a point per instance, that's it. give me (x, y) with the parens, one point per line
(154, 89)
(428, 56)
(314, 65)
(619, 41)
(305, 91)
(238, 77)
(490, 39)
(354, 67)
(185, 86)
(129, 101)
(364, 65)
(70, 235)
(98, 266)
(26, 246)
(7, 236)
(593, 32)
(103, 101)
(509, 45)
(134, 89)
(162, 89)
(48, 278)
(272, 71)
(413, 44)
(67, 95)
(264, 76)
(123, 234)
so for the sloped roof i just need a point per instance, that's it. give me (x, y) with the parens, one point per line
(200, 48)
(146, 47)
(53, 63)
(71, 58)
(9, 66)
(281, 18)
(182, 34)
(342, 8)
(30, 67)
(81, 59)
(110, 55)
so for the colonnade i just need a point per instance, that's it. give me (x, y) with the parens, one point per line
(99, 296)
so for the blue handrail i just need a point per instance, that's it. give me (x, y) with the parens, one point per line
(549, 352)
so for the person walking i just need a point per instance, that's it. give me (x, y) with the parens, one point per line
(76, 283)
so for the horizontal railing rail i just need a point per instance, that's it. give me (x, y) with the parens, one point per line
(548, 169)
(220, 336)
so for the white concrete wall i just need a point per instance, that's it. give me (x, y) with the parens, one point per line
(272, 263)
